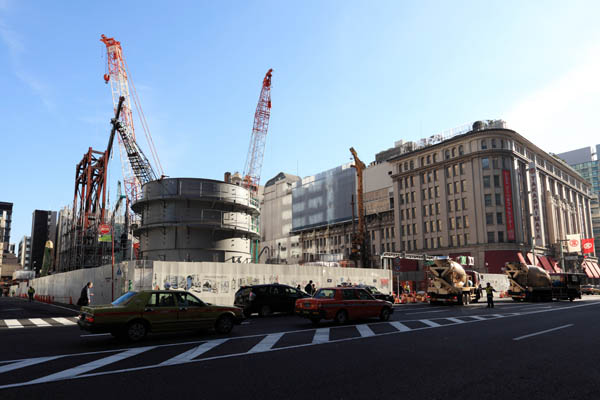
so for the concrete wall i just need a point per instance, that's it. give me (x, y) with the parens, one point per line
(211, 281)
(498, 282)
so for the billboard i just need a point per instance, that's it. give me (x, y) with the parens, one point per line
(508, 206)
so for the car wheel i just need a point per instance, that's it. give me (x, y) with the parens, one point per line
(341, 317)
(224, 324)
(265, 311)
(136, 331)
(385, 314)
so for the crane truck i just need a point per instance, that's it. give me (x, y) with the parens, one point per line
(449, 282)
(532, 283)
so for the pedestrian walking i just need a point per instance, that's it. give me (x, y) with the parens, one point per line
(489, 290)
(85, 297)
(298, 287)
(30, 293)
(308, 287)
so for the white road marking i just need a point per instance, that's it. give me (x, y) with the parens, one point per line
(64, 321)
(13, 309)
(427, 312)
(81, 369)
(458, 321)
(400, 326)
(195, 352)
(95, 334)
(477, 317)
(429, 323)
(26, 363)
(13, 323)
(542, 332)
(496, 315)
(39, 322)
(364, 330)
(268, 342)
(321, 336)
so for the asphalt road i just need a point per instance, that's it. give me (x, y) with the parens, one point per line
(516, 350)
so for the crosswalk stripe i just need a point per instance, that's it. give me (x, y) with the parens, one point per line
(496, 315)
(71, 372)
(365, 330)
(195, 352)
(26, 363)
(266, 344)
(400, 326)
(13, 323)
(321, 336)
(64, 321)
(458, 321)
(429, 323)
(39, 322)
(477, 317)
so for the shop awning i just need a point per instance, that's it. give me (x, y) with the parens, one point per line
(594, 268)
(546, 264)
(531, 260)
(521, 258)
(554, 264)
(588, 270)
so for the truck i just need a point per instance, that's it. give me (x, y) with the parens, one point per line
(532, 283)
(449, 282)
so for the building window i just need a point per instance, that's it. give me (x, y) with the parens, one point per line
(412, 180)
(414, 229)
(498, 199)
(465, 221)
(412, 198)
(463, 186)
(423, 194)
(448, 171)
(489, 218)
(422, 161)
(454, 152)
(413, 212)
(451, 223)
(449, 188)
(439, 225)
(462, 168)
(466, 236)
(393, 246)
(425, 227)
(439, 242)
(429, 159)
(496, 181)
(457, 204)
(490, 237)
(487, 199)
(429, 193)
(437, 191)
(447, 154)
(414, 244)
(437, 208)
(494, 163)
(499, 218)
(486, 181)
(485, 163)
(500, 237)
(387, 233)
(382, 247)
(456, 187)
(434, 157)
(450, 205)
(455, 167)
(451, 241)
(422, 178)
(483, 144)
(393, 232)
(412, 166)
(493, 143)
(458, 222)
(461, 150)
(431, 226)
(429, 177)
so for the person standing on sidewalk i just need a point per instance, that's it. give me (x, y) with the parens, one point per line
(85, 297)
(30, 293)
(308, 288)
(489, 290)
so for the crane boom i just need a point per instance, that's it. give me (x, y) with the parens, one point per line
(359, 242)
(260, 128)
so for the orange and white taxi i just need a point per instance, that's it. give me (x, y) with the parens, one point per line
(342, 304)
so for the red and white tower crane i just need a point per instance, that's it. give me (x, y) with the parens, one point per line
(136, 168)
(256, 150)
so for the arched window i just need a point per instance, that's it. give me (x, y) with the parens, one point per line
(461, 150)
(447, 154)
(434, 157)
(429, 159)
(405, 166)
(483, 145)
(412, 164)
(422, 161)
(454, 152)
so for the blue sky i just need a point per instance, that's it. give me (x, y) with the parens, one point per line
(346, 73)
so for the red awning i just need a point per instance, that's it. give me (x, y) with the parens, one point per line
(588, 270)
(520, 255)
(554, 264)
(546, 264)
(594, 268)
(530, 259)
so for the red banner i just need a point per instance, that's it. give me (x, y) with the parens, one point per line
(508, 206)
(587, 245)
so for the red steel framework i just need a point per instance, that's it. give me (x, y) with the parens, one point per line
(254, 159)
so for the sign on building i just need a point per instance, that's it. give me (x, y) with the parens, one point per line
(536, 222)
(508, 206)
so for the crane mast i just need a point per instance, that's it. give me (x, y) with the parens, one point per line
(256, 150)
(359, 242)
(136, 167)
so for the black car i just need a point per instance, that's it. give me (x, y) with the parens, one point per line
(266, 299)
(377, 294)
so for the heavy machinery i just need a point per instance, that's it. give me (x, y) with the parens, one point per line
(449, 282)
(359, 247)
(532, 283)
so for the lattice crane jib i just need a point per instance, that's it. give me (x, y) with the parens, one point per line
(254, 159)
(136, 167)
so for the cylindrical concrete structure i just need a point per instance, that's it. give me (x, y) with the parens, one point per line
(188, 219)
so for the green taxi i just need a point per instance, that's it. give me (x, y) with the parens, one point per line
(134, 314)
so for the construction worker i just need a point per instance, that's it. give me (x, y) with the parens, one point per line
(489, 290)
(30, 293)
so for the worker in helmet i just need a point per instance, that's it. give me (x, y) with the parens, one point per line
(489, 290)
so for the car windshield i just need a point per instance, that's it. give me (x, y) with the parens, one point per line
(325, 294)
(123, 299)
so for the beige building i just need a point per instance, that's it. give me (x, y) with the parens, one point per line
(487, 193)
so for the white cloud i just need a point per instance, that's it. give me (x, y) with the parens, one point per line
(563, 115)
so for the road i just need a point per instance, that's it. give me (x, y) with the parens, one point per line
(516, 350)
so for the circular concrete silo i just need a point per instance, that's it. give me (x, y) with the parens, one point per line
(188, 219)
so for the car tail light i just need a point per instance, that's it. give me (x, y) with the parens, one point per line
(251, 296)
(89, 318)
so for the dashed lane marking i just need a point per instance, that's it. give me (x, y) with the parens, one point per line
(13, 323)
(268, 343)
(542, 332)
